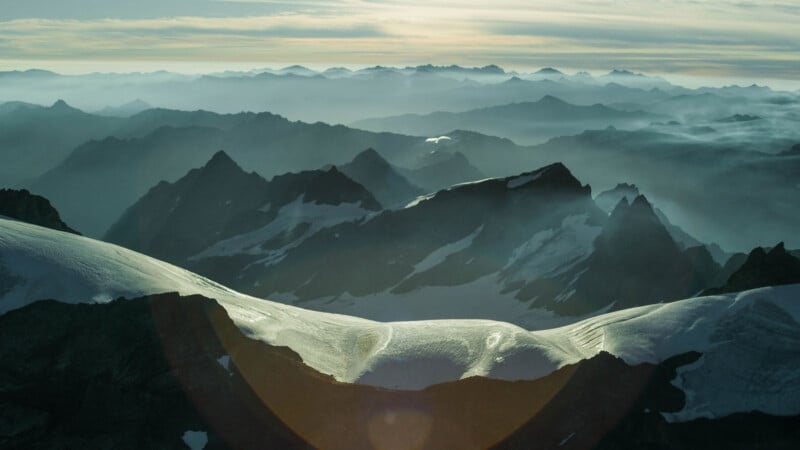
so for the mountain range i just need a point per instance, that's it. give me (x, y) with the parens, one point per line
(220, 201)
(101, 178)
(525, 123)
(537, 240)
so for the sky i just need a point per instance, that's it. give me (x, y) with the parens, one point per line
(717, 38)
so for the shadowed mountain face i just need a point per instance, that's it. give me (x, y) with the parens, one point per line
(220, 200)
(525, 123)
(723, 193)
(24, 206)
(100, 179)
(36, 138)
(762, 268)
(438, 170)
(607, 200)
(141, 373)
(373, 172)
(536, 238)
(450, 238)
(635, 262)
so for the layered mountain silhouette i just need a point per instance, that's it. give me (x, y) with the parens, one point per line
(99, 179)
(537, 237)
(635, 262)
(440, 169)
(26, 207)
(525, 122)
(36, 138)
(607, 200)
(382, 179)
(773, 267)
(712, 202)
(174, 221)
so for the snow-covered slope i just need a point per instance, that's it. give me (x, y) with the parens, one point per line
(749, 341)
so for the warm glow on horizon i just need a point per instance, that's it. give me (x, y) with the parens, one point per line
(723, 38)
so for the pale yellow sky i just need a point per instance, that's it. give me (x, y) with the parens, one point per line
(720, 38)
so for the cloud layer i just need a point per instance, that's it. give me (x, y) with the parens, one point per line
(717, 37)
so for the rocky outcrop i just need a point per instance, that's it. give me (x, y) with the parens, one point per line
(140, 373)
(27, 207)
(762, 268)
(174, 221)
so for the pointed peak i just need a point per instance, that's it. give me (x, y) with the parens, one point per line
(61, 104)
(549, 71)
(641, 202)
(221, 160)
(621, 207)
(623, 73)
(555, 175)
(778, 249)
(370, 155)
(549, 99)
(636, 210)
(626, 187)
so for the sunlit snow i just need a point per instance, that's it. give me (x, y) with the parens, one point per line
(71, 268)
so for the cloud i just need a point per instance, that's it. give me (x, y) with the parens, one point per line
(682, 35)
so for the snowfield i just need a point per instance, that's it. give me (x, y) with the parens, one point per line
(750, 341)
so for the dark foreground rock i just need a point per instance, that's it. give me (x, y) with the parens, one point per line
(27, 207)
(137, 374)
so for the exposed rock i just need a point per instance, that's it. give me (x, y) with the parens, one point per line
(27, 207)
(763, 268)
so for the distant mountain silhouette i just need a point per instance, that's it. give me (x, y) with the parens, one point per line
(383, 180)
(125, 110)
(635, 262)
(525, 122)
(722, 206)
(441, 169)
(99, 179)
(762, 268)
(36, 138)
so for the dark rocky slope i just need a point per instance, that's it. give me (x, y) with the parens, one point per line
(139, 373)
(26, 207)
(174, 221)
(762, 268)
(373, 172)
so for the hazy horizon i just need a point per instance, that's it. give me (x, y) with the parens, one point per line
(684, 38)
(195, 68)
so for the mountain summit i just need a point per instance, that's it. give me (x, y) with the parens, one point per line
(174, 221)
(382, 179)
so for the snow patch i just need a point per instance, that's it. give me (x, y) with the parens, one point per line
(749, 340)
(439, 255)
(195, 440)
(225, 362)
(436, 140)
(419, 200)
(524, 179)
(552, 252)
(566, 439)
(289, 216)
